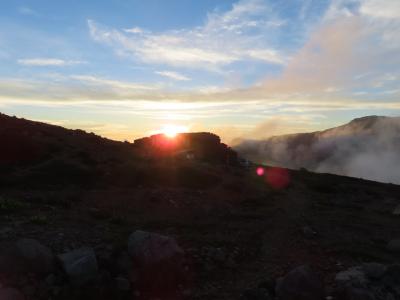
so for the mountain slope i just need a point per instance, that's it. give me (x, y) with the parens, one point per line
(236, 229)
(366, 147)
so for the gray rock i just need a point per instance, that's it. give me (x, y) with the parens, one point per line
(300, 284)
(122, 284)
(391, 278)
(158, 263)
(11, 294)
(396, 211)
(353, 293)
(38, 257)
(374, 270)
(151, 248)
(394, 245)
(80, 265)
(256, 294)
(50, 280)
(308, 232)
(353, 276)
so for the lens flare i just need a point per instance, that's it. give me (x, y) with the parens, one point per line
(260, 171)
(278, 178)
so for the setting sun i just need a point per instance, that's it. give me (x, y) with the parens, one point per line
(172, 130)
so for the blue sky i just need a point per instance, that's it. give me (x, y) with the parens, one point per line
(247, 68)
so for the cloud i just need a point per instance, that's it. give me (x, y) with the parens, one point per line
(134, 30)
(388, 9)
(352, 39)
(115, 84)
(45, 62)
(237, 35)
(173, 75)
(25, 10)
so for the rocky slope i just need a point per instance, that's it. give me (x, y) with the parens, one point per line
(366, 147)
(125, 225)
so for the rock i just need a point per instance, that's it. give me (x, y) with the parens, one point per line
(11, 294)
(269, 284)
(151, 248)
(308, 232)
(374, 270)
(80, 265)
(394, 245)
(300, 284)
(396, 211)
(352, 277)
(256, 294)
(123, 263)
(36, 256)
(122, 284)
(50, 280)
(158, 263)
(353, 293)
(391, 279)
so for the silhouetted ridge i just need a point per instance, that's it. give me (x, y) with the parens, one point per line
(198, 145)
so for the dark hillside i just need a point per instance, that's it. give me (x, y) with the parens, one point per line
(83, 217)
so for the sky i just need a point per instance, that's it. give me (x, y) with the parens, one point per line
(242, 69)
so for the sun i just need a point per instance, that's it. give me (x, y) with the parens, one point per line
(171, 130)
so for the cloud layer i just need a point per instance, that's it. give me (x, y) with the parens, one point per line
(224, 38)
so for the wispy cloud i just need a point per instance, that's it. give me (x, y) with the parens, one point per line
(115, 84)
(237, 35)
(173, 75)
(46, 62)
(25, 10)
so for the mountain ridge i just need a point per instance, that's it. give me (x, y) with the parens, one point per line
(348, 149)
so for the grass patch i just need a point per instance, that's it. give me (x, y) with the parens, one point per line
(10, 205)
(39, 220)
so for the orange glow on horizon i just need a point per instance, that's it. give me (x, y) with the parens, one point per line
(171, 130)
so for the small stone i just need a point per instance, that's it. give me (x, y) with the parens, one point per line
(80, 265)
(353, 276)
(51, 279)
(374, 270)
(255, 294)
(122, 284)
(358, 294)
(394, 245)
(308, 232)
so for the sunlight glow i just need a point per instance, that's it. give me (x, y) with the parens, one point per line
(171, 130)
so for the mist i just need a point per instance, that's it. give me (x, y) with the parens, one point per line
(365, 148)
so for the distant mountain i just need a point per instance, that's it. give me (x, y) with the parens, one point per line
(367, 147)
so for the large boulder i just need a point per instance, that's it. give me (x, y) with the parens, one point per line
(36, 256)
(11, 294)
(80, 265)
(374, 270)
(158, 262)
(300, 284)
(22, 257)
